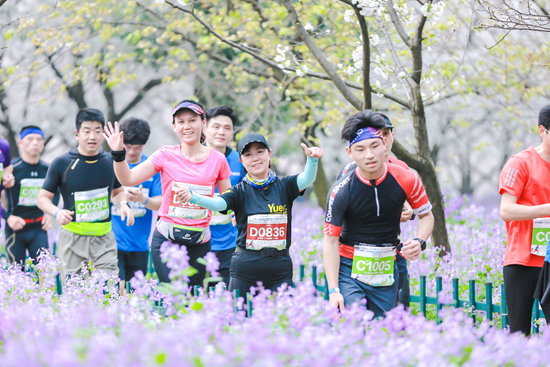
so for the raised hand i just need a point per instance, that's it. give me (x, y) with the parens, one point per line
(114, 136)
(313, 152)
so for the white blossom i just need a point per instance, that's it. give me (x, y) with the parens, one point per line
(436, 97)
(299, 72)
(394, 86)
(159, 1)
(374, 39)
(377, 84)
(308, 27)
(348, 16)
(340, 66)
(350, 70)
(181, 2)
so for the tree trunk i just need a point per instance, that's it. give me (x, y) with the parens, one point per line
(440, 236)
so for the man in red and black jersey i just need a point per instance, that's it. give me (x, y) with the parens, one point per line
(406, 214)
(363, 216)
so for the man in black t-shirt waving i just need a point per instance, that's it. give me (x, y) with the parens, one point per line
(27, 225)
(362, 220)
(87, 182)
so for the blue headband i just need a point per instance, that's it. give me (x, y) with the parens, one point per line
(32, 130)
(366, 133)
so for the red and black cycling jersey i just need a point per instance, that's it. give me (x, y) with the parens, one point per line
(369, 211)
(352, 165)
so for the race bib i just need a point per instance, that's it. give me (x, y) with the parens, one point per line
(92, 206)
(30, 187)
(219, 219)
(138, 209)
(541, 236)
(266, 230)
(188, 210)
(373, 265)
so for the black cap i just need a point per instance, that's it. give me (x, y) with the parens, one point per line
(249, 139)
(389, 125)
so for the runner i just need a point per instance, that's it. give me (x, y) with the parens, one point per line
(6, 168)
(220, 122)
(407, 213)
(262, 203)
(133, 242)
(362, 220)
(189, 164)
(86, 180)
(27, 225)
(525, 208)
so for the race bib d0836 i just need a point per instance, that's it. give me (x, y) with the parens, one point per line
(30, 187)
(541, 236)
(373, 265)
(92, 206)
(266, 230)
(188, 210)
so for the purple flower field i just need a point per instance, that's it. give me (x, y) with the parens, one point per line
(91, 325)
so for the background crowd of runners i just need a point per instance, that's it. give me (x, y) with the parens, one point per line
(211, 198)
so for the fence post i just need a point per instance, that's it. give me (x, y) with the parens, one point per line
(58, 286)
(326, 288)
(503, 307)
(423, 294)
(438, 288)
(196, 290)
(536, 316)
(489, 300)
(455, 293)
(472, 292)
(236, 297)
(314, 275)
(249, 304)
(302, 272)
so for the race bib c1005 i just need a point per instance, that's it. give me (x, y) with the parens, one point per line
(92, 206)
(266, 230)
(373, 265)
(30, 187)
(541, 236)
(188, 210)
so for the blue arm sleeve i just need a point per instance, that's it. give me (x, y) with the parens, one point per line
(307, 177)
(215, 204)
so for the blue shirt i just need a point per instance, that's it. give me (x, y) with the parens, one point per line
(223, 233)
(136, 237)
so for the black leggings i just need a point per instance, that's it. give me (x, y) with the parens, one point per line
(520, 283)
(194, 252)
(247, 270)
(31, 238)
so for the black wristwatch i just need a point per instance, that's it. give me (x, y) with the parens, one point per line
(422, 243)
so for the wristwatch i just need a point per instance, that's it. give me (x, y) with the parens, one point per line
(422, 243)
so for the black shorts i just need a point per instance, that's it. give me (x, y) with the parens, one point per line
(224, 257)
(247, 269)
(520, 284)
(130, 262)
(31, 238)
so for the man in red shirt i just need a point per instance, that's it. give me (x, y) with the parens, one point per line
(525, 207)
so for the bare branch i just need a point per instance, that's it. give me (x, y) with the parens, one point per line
(2, 2)
(138, 98)
(398, 25)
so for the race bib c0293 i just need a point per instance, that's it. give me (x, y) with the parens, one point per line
(266, 230)
(373, 265)
(30, 187)
(541, 236)
(92, 206)
(188, 210)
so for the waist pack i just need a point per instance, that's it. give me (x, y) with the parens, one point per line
(183, 235)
